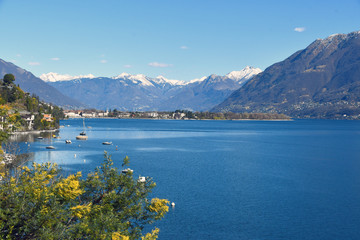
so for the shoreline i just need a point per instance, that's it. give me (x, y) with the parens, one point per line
(187, 119)
(33, 131)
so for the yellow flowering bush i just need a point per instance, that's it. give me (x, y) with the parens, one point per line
(37, 202)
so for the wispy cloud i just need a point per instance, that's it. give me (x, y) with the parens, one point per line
(299, 29)
(127, 66)
(184, 47)
(161, 65)
(34, 63)
(103, 61)
(55, 59)
(18, 55)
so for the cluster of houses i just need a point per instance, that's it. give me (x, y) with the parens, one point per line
(118, 114)
(85, 114)
(29, 120)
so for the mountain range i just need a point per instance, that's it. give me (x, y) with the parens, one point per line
(128, 92)
(320, 81)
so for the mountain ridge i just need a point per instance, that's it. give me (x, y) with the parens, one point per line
(320, 81)
(30, 83)
(142, 93)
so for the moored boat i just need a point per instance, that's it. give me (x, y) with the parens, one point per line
(127, 170)
(82, 135)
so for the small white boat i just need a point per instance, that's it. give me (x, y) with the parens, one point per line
(107, 143)
(68, 141)
(173, 204)
(50, 147)
(127, 170)
(40, 138)
(141, 179)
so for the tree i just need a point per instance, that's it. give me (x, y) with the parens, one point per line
(39, 203)
(9, 78)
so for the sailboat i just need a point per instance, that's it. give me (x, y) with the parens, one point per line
(82, 135)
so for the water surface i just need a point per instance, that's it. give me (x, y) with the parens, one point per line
(232, 179)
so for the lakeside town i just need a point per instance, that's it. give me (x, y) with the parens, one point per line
(178, 115)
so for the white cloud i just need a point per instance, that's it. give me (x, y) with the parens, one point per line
(103, 61)
(55, 59)
(161, 65)
(18, 55)
(299, 29)
(184, 47)
(127, 66)
(34, 63)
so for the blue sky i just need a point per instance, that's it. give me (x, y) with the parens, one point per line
(180, 40)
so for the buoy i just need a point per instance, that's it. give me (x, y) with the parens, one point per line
(84, 160)
(173, 204)
(75, 155)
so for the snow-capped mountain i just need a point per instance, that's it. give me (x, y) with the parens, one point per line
(143, 93)
(54, 77)
(244, 74)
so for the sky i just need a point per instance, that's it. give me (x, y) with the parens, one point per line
(180, 40)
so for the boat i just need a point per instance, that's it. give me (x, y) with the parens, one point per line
(50, 147)
(141, 179)
(68, 141)
(82, 135)
(107, 143)
(40, 138)
(127, 170)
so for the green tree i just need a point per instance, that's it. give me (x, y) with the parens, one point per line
(9, 78)
(39, 203)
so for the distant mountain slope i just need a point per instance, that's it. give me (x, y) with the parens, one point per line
(29, 83)
(142, 93)
(321, 81)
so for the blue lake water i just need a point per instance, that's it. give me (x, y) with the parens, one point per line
(232, 179)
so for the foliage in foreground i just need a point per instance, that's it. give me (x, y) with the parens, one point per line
(39, 203)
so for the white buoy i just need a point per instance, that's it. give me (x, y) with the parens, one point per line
(75, 155)
(84, 160)
(173, 204)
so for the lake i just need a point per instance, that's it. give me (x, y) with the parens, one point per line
(230, 179)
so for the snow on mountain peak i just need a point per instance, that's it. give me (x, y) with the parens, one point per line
(161, 80)
(244, 74)
(198, 79)
(54, 77)
(122, 75)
